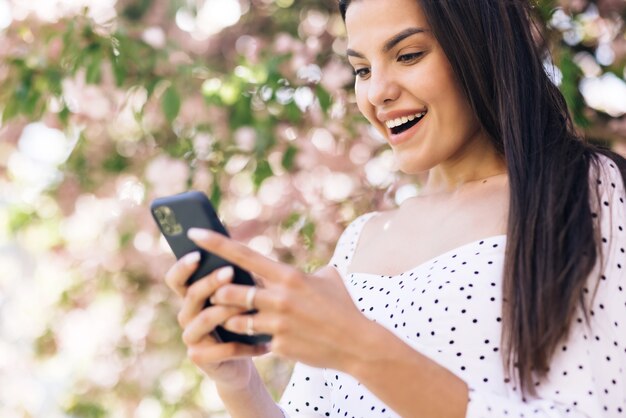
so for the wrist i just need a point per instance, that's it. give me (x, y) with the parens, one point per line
(370, 345)
(244, 381)
(248, 398)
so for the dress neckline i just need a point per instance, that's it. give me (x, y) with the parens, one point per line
(459, 249)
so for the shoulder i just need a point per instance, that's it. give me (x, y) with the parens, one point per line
(606, 174)
(606, 181)
(351, 234)
(608, 208)
(353, 230)
(348, 241)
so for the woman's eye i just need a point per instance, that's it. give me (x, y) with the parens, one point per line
(361, 72)
(410, 57)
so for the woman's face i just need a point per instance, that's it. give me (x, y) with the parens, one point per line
(405, 86)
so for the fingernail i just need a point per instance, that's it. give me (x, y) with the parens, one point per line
(198, 234)
(225, 274)
(191, 258)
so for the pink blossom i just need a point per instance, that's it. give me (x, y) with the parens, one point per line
(283, 43)
(86, 100)
(245, 138)
(167, 176)
(336, 75)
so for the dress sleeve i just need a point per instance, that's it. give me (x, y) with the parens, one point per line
(347, 244)
(587, 375)
(307, 394)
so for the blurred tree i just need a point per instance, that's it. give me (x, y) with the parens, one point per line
(106, 105)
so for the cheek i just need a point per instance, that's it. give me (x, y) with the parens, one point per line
(363, 103)
(360, 94)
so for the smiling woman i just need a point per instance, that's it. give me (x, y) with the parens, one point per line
(499, 290)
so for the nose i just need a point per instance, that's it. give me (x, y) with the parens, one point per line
(383, 89)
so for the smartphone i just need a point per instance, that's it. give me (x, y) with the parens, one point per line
(175, 215)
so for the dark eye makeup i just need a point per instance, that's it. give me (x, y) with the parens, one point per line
(408, 58)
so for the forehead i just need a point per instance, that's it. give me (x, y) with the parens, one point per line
(372, 21)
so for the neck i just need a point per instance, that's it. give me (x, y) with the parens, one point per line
(454, 176)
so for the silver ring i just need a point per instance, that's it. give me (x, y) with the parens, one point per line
(250, 298)
(250, 327)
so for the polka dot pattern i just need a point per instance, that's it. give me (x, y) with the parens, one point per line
(449, 309)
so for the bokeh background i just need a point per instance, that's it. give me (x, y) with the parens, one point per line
(107, 104)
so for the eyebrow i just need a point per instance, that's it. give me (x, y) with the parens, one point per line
(393, 41)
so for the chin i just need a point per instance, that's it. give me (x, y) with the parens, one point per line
(412, 165)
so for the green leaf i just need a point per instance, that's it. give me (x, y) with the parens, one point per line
(119, 71)
(151, 84)
(289, 157)
(265, 139)
(308, 233)
(54, 79)
(115, 163)
(242, 113)
(171, 103)
(262, 172)
(545, 9)
(87, 410)
(19, 219)
(126, 238)
(324, 98)
(64, 115)
(216, 195)
(137, 9)
(569, 87)
(10, 110)
(31, 104)
(292, 113)
(94, 68)
(291, 220)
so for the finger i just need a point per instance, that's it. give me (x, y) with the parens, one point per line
(262, 323)
(237, 295)
(200, 291)
(241, 255)
(178, 274)
(206, 321)
(209, 352)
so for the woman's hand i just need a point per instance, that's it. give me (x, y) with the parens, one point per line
(228, 364)
(311, 317)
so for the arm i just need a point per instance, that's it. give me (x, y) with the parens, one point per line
(253, 402)
(409, 382)
(414, 385)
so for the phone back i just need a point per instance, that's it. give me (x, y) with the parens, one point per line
(176, 214)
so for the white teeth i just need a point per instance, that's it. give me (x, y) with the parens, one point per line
(402, 120)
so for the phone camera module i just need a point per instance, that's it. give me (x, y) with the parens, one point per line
(167, 220)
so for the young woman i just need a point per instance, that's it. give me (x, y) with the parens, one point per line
(498, 291)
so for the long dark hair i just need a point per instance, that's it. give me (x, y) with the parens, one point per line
(552, 245)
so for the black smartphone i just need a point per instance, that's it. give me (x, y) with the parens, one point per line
(175, 215)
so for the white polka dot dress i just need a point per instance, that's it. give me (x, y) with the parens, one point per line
(449, 309)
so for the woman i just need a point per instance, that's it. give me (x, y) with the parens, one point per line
(498, 291)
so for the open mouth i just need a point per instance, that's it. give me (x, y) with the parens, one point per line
(399, 125)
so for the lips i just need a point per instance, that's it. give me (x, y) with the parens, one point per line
(404, 123)
(403, 126)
